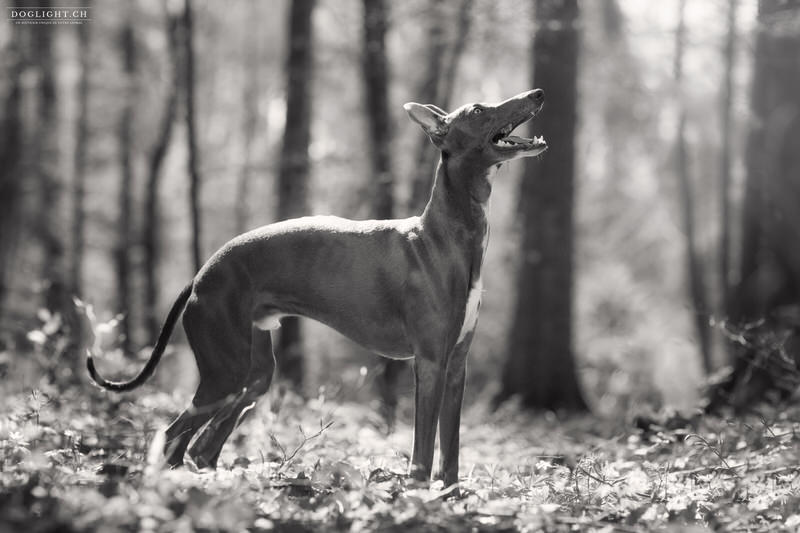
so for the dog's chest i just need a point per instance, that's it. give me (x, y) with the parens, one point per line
(476, 289)
(471, 311)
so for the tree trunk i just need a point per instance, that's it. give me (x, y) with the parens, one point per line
(292, 183)
(450, 71)
(125, 142)
(11, 147)
(154, 165)
(725, 162)
(195, 179)
(250, 99)
(376, 92)
(48, 223)
(541, 365)
(80, 166)
(436, 87)
(694, 269)
(764, 314)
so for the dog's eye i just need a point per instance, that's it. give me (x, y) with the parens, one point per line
(477, 110)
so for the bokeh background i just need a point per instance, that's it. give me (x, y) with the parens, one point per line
(141, 140)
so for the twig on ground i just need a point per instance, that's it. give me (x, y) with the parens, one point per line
(715, 450)
(290, 457)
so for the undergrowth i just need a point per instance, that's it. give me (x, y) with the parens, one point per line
(83, 460)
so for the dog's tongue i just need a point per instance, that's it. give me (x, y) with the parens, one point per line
(515, 139)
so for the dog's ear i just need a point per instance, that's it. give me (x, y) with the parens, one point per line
(431, 118)
(436, 109)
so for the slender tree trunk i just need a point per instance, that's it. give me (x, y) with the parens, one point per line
(725, 163)
(251, 96)
(125, 147)
(292, 181)
(46, 162)
(11, 147)
(541, 364)
(154, 166)
(694, 269)
(376, 93)
(618, 111)
(436, 87)
(428, 93)
(195, 179)
(744, 305)
(80, 168)
(450, 71)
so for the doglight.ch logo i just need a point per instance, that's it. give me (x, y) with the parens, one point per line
(49, 15)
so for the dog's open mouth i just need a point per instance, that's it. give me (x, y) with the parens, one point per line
(503, 139)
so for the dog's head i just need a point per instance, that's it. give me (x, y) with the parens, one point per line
(483, 131)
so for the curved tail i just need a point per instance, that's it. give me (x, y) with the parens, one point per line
(155, 357)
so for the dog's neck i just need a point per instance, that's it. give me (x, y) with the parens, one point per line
(458, 207)
(460, 194)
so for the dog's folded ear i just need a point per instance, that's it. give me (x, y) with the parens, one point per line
(436, 109)
(429, 117)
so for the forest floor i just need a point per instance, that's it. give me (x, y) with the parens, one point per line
(84, 460)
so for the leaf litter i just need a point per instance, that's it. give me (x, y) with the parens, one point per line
(79, 459)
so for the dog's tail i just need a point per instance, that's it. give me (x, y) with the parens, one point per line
(155, 357)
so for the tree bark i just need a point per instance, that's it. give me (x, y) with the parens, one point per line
(292, 183)
(725, 159)
(46, 161)
(694, 269)
(125, 146)
(155, 163)
(11, 147)
(463, 27)
(195, 179)
(250, 99)
(436, 87)
(80, 166)
(764, 315)
(376, 94)
(541, 366)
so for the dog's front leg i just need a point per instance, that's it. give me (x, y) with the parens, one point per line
(450, 416)
(429, 376)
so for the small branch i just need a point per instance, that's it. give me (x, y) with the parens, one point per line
(290, 457)
(715, 450)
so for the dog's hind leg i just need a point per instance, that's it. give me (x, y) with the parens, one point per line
(183, 428)
(220, 379)
(206, 449)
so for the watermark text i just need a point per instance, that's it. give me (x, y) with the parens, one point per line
(55, 15)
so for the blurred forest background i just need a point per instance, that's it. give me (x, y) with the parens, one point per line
(135, 144)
